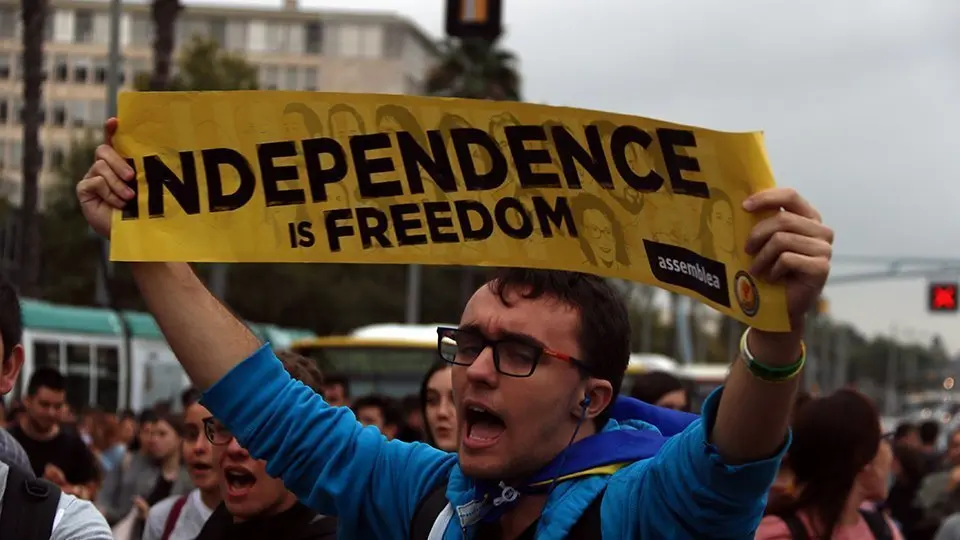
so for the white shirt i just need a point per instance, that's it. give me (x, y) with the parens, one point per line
(192, 517)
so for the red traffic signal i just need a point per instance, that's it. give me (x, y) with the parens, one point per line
(474, 19)
(943, 297)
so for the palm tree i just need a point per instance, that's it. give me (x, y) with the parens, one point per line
(164, 14)
(476, 69)
(34, 16)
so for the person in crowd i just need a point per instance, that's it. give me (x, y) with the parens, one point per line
(907, 435)
(255, 505)
(55, 454)
(411, 410)
(439, 411)
(539, 358)
(14, 413)
(929, 432)
(378, 411)
(83, 424)
(908, 470)
(661, 389)
(145, 479)
(336, 390)
(840, 461)
(939, 491)
(128, 429)
(182, 517)
(145, 424)
(75, 519)
(107, 444)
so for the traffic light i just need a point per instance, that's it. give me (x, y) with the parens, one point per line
(474, 19)
(943, 297)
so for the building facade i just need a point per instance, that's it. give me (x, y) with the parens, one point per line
(294, 49)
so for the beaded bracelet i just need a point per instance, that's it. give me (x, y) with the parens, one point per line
(769, 373)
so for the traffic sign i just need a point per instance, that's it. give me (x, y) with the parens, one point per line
(474, 19)
(943, 297)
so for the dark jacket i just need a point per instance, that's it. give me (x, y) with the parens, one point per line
(297, 523)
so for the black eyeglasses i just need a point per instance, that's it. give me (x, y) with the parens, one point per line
(511, 356)
(216, 433)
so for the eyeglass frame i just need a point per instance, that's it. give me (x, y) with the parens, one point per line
(208, 424)
(494, 343)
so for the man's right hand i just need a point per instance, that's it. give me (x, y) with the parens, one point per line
(104, 187)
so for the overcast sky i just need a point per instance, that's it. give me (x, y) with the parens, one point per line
(856, 98)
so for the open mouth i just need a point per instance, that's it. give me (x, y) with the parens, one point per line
(239, 482)
(484, 428)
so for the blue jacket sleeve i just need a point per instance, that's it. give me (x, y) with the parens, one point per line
(687, 491)
(322, 454)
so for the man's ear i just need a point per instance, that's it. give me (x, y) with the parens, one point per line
(600, 394)
(10, 370)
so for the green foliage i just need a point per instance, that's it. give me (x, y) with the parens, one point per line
(474, 68)
(203, 65)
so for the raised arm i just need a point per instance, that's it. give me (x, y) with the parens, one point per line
(792, 247)
(321, 452)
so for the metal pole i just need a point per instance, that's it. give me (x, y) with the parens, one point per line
(113, 86)
(890, 400)
(414, 275)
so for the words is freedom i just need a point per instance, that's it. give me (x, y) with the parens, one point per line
(327, 161)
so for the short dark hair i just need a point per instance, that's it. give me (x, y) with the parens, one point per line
(904, 429)
(11, 319)
(929, 431)
(338, 379)
(302, 369)
(604, 330)
(651, 386)
(46, 377)
(387, 408)
(189, 396)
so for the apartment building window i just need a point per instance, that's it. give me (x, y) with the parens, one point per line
(313, 37)
(18, 66)
(8, 22)
(371, 41)
(83, 26)
(48, 27)
(139, 67)
(276, 37)
(59, 117)
(4, 111)
(349, 41)
(4, 67)
(61, 68)
(218, 30)
(141, 30)
(269, 76)
(78, 113)
(16, 154)
(98, 113)
(393, 41)
(100, 70)
(291, 78)
(81, 70)
(101, 28)
(310, 76)
(236, 36)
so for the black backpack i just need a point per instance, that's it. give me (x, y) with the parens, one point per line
(879, 526)
(588, 527)
(29, 507)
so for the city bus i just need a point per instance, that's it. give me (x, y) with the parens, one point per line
(390, 359)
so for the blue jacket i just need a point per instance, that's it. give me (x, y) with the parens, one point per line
(338, 467)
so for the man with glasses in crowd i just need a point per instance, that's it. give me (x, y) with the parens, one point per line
(538, 358)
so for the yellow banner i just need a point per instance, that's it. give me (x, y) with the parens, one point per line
(317, 177)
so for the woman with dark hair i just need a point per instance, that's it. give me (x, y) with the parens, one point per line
(661, 389)
(840, 461)
(601, 240)
(392, 118)
(717, 233)
(439, 413)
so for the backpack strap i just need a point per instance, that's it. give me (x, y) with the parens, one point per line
(798, 531)
(29, 507)
(589, 527)
(173, 516)
(428, 510)
(879, 526)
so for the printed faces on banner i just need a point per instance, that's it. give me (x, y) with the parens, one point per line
(598, 192)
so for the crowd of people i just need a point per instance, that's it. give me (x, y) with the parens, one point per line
(522, 432)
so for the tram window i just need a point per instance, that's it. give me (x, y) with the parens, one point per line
(108, 378)
(46, 354)
(78, 375)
